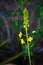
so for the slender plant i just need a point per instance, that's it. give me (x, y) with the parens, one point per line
(28, 38)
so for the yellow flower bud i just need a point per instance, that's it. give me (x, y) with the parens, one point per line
(26, 14)
(30, 39)
(28, 25)
(33, 31)
(20, 34)
(22, 41)
(24, 26)
(24, 22)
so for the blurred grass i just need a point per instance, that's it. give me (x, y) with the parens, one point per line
(12, 58)
(4, 42)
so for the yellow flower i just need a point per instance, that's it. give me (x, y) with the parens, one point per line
(24, 26)
(20, 34)
(28, 25)
(25, 22)
(33, 31)
(30, 39)
(22, 41)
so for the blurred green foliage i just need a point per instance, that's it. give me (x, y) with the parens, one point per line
(41, 12)
(24, 48)
(1, 22)
(21, 11)
(17, 24)
(21, 1)
(11, 13)
(37, 36)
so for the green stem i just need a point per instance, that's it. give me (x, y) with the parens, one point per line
(28, 47)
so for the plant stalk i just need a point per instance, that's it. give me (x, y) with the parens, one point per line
(28, 47)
